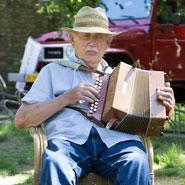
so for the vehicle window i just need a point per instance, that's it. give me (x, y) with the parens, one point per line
(126, 9)
(167, 10)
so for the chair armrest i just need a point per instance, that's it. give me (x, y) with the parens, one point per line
(40, 143)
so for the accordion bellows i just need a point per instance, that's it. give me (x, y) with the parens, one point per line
(130, 98)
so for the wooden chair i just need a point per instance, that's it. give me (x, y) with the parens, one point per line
(40, 143)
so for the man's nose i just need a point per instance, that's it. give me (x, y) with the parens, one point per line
(92, 41)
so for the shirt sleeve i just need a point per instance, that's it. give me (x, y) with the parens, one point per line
(41, 89)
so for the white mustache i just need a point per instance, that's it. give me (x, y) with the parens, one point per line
(88, 48)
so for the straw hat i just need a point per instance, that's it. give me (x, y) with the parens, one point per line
(91, 20)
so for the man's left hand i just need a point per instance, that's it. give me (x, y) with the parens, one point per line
(166, 95)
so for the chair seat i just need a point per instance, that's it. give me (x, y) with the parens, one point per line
(94, 179)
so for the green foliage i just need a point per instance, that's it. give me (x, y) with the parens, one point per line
(166, 11)
(62, 12)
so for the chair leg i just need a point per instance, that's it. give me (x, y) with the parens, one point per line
(149, 149)
(36, 179)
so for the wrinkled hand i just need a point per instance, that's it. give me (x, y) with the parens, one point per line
(166, 95)
(83, 91)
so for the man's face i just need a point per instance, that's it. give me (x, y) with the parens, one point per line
(90, 47)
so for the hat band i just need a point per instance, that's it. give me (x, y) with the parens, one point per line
(90, 24)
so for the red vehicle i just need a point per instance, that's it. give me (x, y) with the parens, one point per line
(152, 32)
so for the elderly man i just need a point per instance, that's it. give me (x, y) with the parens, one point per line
(76, 145)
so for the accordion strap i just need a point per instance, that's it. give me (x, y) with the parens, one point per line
(97, 122)
(78, 66)
(84, 68)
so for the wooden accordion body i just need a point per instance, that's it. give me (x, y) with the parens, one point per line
(129, 96)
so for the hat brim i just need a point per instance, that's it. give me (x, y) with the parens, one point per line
(90, 30)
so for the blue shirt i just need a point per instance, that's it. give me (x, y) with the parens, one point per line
(68, 124)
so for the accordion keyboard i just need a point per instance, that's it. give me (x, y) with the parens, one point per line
(96, 108)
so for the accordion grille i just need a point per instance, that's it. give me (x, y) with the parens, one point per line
(134, 124)
(139, 111)
(140, 102)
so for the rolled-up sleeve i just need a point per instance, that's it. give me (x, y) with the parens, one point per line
(41, 89)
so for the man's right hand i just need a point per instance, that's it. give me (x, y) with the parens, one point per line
(83, 91)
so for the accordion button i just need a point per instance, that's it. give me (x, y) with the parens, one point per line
(96, 103)
(94, 110)
(90, 111)
(101, 81)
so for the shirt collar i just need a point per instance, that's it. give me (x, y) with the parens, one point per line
(103, 64)
(78, 60)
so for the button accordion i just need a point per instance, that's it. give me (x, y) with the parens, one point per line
(128, 101)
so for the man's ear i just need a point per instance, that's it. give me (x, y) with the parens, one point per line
(72, 40)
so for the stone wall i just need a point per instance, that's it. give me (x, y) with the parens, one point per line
(18, 21)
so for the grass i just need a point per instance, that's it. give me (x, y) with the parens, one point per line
(169, 156)
(169, 152)
(16, 155)
(16, 158)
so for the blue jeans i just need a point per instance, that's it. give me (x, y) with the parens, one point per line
(65, 162)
